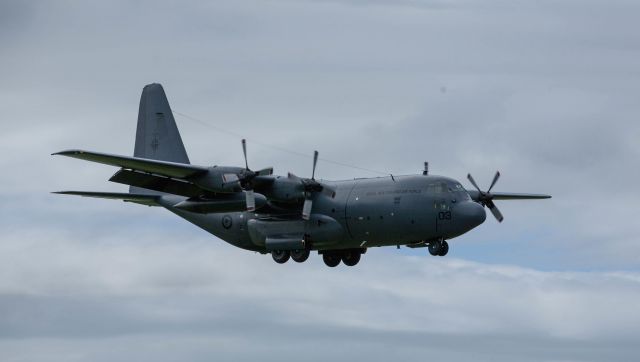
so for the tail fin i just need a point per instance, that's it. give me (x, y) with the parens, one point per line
(157, 136)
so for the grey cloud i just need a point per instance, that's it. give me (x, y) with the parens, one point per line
(543, 91)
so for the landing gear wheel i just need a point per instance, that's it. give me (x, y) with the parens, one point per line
(331, 259)
(300, 256)
(444, 248)
(435, 247)
(351, 257)
(280, 256)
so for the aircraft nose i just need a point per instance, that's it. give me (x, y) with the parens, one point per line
(470, 213)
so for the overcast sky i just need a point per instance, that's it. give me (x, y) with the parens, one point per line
(544, 91)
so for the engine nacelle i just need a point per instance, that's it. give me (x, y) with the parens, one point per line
(285, 190)
(220, 179)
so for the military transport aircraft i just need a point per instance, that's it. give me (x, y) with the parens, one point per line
(289, 216)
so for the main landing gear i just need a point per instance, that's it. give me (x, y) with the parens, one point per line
(349, 257)
(331, 258)
(438, 248)
(280, 256)
(300, 256)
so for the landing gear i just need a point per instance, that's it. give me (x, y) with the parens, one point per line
(438, 248)
(444, 249)
(300, 256)
(351, 257)
(331, 258)
(280, 256)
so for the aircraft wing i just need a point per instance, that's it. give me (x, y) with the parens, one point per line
(516, 196)
(144, 199)
(165, 168)
(475, 195)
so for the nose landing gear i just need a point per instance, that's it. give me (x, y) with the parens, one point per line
(438, 248)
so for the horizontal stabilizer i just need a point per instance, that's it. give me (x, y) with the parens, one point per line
(165, 168)
(144, 199)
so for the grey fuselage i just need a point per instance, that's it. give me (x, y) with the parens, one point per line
(368, 212)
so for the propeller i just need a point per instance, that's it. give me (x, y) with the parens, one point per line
(247, 176)
(310, 185)
(486, 198)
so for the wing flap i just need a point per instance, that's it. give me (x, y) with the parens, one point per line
(165, 168)
(156, 183)
(144, 199)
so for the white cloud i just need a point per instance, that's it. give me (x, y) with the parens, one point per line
(109, 287)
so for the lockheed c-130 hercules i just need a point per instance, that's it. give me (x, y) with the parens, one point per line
(290, 216)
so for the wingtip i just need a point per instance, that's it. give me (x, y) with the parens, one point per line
(67, 152)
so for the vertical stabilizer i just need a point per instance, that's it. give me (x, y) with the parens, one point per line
(157, 136)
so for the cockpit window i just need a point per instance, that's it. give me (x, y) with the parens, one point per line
(458, 189)
(437, 188)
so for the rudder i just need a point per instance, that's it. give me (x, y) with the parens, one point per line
(157, 135)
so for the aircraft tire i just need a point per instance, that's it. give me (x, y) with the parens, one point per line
(331, 259)
(351, 257)
(435, 247)
(280, 256)
(444, 248)
(300, 256)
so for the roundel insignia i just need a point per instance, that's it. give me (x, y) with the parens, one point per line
(227, 222)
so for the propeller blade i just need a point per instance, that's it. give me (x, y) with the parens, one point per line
(244, 150)
(250, 200)
(494, 210)
(495, 179)
(315, 161)
(473, 182)
(265, 171)
(306, 209)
